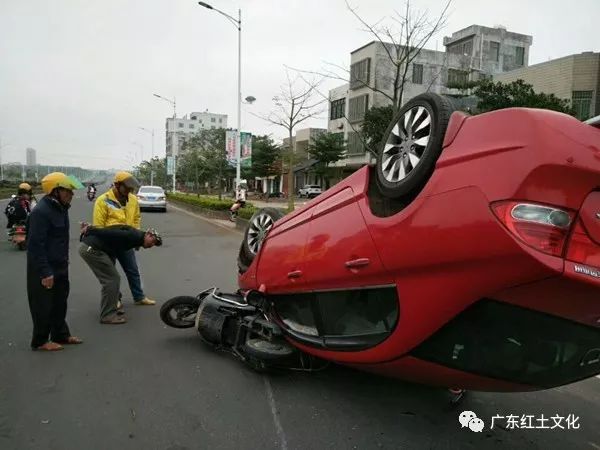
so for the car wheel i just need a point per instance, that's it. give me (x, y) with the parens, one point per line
(412, 144)
(256, 230)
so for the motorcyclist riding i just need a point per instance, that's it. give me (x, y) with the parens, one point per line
(19, 207)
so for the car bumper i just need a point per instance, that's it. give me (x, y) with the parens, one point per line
(149, 204)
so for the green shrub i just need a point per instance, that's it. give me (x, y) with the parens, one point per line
(247, 212)
(203, 201)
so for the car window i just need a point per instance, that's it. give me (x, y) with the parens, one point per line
(151, 190)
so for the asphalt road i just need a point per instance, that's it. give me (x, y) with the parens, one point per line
(142, 385)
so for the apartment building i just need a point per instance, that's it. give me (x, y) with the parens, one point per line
(179, 130)
(575, 78)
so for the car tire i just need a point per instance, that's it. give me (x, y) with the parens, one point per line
(412, 145)
(258, 226)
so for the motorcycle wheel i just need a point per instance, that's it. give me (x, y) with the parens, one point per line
(22, 246)
(180, 312)
(273, 351)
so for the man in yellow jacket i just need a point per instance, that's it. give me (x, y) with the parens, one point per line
(119, 206)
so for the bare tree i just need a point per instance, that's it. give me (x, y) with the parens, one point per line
(296, 103)
(402, 36)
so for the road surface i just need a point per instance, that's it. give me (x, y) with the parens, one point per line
(142, 385)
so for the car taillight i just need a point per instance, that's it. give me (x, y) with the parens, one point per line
(542, 227)
(582, 248)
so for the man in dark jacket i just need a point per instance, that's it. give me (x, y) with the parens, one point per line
(99, 249)
(48, 264)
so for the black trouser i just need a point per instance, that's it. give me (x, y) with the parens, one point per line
(48, 308)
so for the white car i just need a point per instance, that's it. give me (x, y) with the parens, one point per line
(152, 197)
(310, 190)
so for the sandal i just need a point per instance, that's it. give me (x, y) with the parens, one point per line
(113, 320)
(71, 340)
(48, 347)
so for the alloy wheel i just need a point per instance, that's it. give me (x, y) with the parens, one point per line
(406, 144)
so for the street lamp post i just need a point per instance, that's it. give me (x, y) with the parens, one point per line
(238, 24)
(152, 156)
(173, 102)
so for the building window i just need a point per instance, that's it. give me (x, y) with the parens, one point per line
(520, 56)
(457, 77)
(180, 125)
(337, 109)
(200, 120)
(212, 119)
(495, 51)
(191, 126)
(212, 127)
(358, 107)
(355, 144)
(417, 74)
(582, 104)
(194, 117)
(220, 120)
(359, 73)
(462, 48)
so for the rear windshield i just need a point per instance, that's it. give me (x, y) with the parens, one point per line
(314, 186)
(151, 190)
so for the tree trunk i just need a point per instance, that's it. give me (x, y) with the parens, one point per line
(291, 174)
(220, 182)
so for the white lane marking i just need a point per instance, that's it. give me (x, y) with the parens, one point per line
(594, 445)
(198, 216)
(275, 414)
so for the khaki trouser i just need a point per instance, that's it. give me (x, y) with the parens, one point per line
(104, 268)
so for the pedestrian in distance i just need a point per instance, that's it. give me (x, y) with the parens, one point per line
(119, 206)
(100, 249)
(240, 202)
(48, 264)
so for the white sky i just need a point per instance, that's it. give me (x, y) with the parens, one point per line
(77, 77)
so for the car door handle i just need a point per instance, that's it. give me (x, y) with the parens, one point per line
(360, 262)
(295, 274)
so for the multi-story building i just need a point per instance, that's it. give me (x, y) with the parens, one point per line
(301, 141)
(575, 78)
(179, 130)
(31, 157)
(471, 54)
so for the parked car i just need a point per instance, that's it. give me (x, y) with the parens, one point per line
(310, 190)
(153, 198)
(468, 256)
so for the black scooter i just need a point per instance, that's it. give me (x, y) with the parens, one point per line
(240, 324)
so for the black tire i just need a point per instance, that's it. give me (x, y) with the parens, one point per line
(179, 305)
(268, 351)
(397, 175)
(22, 246)
(253, 239)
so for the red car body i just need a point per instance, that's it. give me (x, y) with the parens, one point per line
(462, 272)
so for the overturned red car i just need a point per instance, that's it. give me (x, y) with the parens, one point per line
(467, 256)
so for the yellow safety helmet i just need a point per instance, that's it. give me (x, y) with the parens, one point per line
(60, 180)
(127, 180)
(25, 187)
